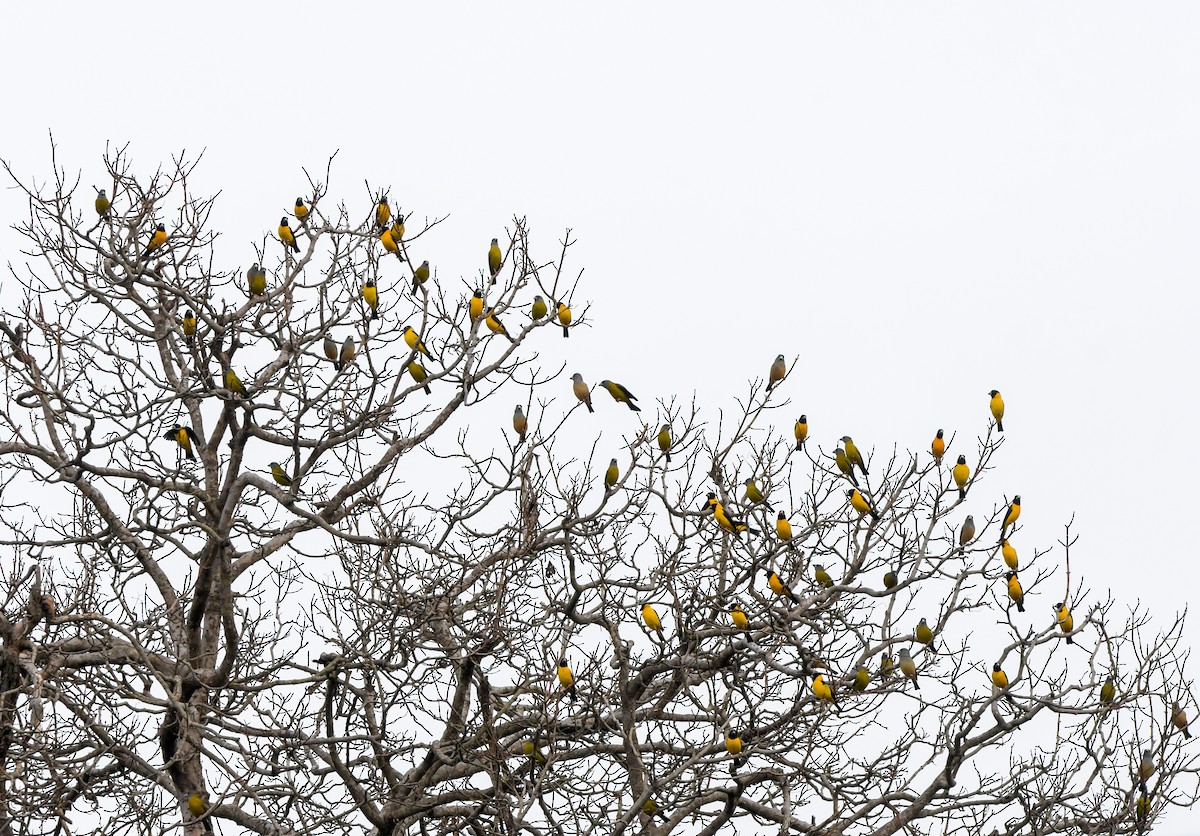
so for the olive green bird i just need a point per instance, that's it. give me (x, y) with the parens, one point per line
(621, 394)
(844, 465)
(853, 455)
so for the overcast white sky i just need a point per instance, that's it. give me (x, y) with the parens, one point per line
(926, 202)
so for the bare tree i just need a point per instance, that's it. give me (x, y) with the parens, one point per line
(282, 564)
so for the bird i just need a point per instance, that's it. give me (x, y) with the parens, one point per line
(198, 805)
(778, 372)
(924, 633)
(1015, 592)
(280, 475)
(739, 619)
(1012, 515)
(862, 678)
(566, 679)
(961, 474)
(1009, 554)
(853, 455)
(564, 318)
(650, 808)
(755, 496)
(997, 406)
(103, 205)
(331, 351)
(157, 239)
(189, 326)
(733, 745)
(419, 375)
(370, 295)
(1142, 812)
(966, 533)
(346, 356)
(495, 325)
(1108, 691)
(581, 391)
(1065, 622)
(822, 690)
(287, 236)
(611, 475)
(885, 665)
(389, 243)
(860, 504)
(664, 441)
(539, 309)
(778, 586)
(908, 667)
(535, 755)
(938, 448)
(821, 576)
(729, 523)
(890, 580)
(844, 465)
(520, 425)
(1000, 680)
(1179, 718)
(421, 275)
(300, 211)
(383, 212)
(234, 384)
(1145, 769)
(256, 278)
(495, 257)
(621, 394)
(398, 229)
(650, 617)
(184, 437)
(801, 430)
(475, 305)
(413, 340)
(783, 528)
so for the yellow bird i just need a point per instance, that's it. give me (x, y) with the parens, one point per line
(611, 475)
(650, 616)
(184, 437)
(566, 679)
(520, 425)
(733, 745)
(564, 318)
(853, 455)
(729, 523)
(371, 297)
(908, 667)
(156, 240)
(197, 804)
(860, 504)
(300, 211)
(539, 309)
(755, 496)
(475, 306)
(1108, 691)
(1012, 515)
(961, 473)
(844, 465)
(821, 689)
(997, 406)
(398, 229)
(346, 355)
(862, 678)
(664, 441)
(621, 394)
(419, 375)
(421, 275)
(778, 372)
(650, 808)
(821, 576)
(1015, 592)
(924, 633)
(1009, 554)
(287, 236)
(891, 579)
(739, 619)
(383, 212)
(1179, 718)
(1066, 623)
(389, 243)
(496, 326)
(778, 586)
(581, 391)
(103, 205)
(1000, 680)
(234, 384)
(256, 278)
(885, 666)
(801, 430)
(495, 258)
(189, 326)
(938, 448)
(533, 753)
(280, 475)
(1141, 812)
(413, 340)
(783, 529)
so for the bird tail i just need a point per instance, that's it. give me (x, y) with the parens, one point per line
(374, 313)
(753, 530)
(522, 438)
(799, 444)
(191, 456)
(863, 467)
(588, 404)
(337, 365)
(1010, 699)
(874, 515)
(428, 391)
(770, 507)
(668, 457)
(853, 478)
(633, 407)
(1142, 785)
(1021, 604)
(1070, 640)
(1187, 734)
(962, 493)
(792, 597)
(571, 692)
(566, 331)
(999, 426)
(915, 683)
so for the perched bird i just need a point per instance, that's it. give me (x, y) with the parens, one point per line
(564, 318)
(1000, 680)
(256, 279)
(495, 325)
(539, 309)
(184, 437)
(821, 689)
(398, 229)
(778, 586)
(413, 340)
(924, 633)
(733, 745)
(1012, 515)
(189, 326)
(755, 496)
(886, 664)
(778, 372)
(966, 533)
(621, 394)
(739, 619)
(821, 576)
(197, 804)
(331, 351)
(1108, 691)
(611, 475)
(495, 258)
(475, 306)
(844, 465)
(566, 679)
(650, 617)
(1145, 769)
(801, 430)
(890, 580)
(1179, 718)
(102, 204)
(862, 678)
(853, 455)
(520, 425)
(650, 808)
(908, 667)
(961, 474)
(729, 523)
(421, 275)
(997, 406)
(371, 297)
(581, 391)
(1015, 592)
(783, 528)
(287, 236)
(1141, 812)
(664, 441)
(300, 211)
(390, 244)
(383, 212)
(535, 755)
(938, 447)
(157, 239)
(234, 384)
(346, 356)
(419, 375)
(1009, 554)
(280, 475)
(1065, 622)
(860, 504)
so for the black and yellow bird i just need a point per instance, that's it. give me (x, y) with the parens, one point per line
(495, 259)
(822, 690)
(189, 326)
(383, 212)
(778, 373)
(539, 310)
(301, 211)
(420, 275)
(664, 441)
(520, 424)
(581, 390)
(398, 229)
(860, 504)
(346, 355)
(733, 745)
(783, 529)
(997, 407)
(621, 395)
(961, 473)
(280, 475)
(494, 325)
(1011, 515)
(1009, 554)
(651, 619)
(1062, 614)
(157, 239)
(389, 243)
(778, 586)
(103, 205)
(740, 620)
(184, 437)
(287, 236)
(1000, 680)
(800, 430)
(844, 465)
(234, 384)
(938, 448)
(728, 523)
(475, 304)
(370, 294)
(256, 280)
(853, 454)
(1015, 592)
(537, 758)
(197, 804)
(566, 679)
(564, 319)
(755, 496)
(418, 373)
